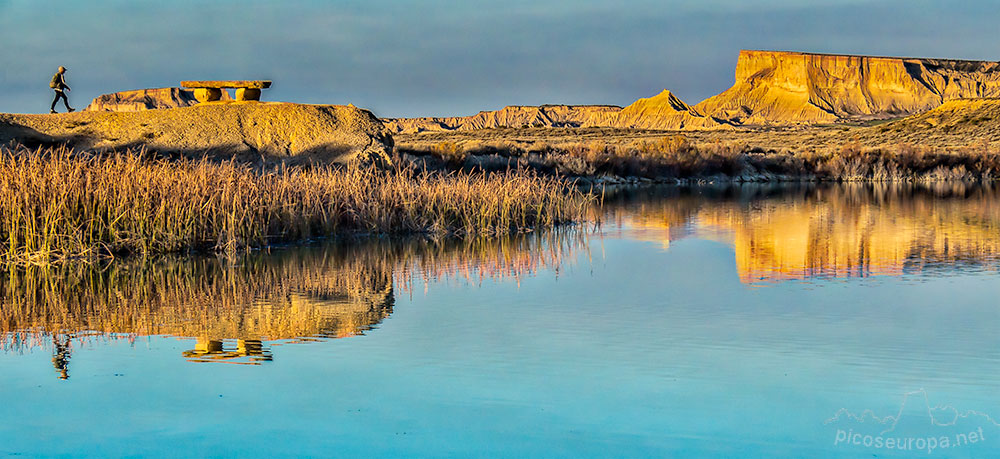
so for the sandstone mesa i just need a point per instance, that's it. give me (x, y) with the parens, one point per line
(772, 88)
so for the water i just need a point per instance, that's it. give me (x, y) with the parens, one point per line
(739, 321)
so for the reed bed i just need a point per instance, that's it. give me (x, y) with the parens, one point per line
(677, 157)
(333, 290)
(57, 204)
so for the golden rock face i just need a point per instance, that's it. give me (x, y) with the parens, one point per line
(774, 87)
(664, 111)
(771, 88)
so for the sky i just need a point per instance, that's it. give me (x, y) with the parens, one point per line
(403, 58)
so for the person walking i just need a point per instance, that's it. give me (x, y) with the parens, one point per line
(58, 83)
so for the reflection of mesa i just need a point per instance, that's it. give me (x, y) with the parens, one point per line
(842, 231)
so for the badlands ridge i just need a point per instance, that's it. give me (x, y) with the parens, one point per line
(772, 88)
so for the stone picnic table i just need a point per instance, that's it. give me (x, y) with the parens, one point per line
(211, 90)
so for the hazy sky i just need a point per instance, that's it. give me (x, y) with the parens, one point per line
(412, 58)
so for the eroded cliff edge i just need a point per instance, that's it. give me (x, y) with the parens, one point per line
(771, 88)
(778, 87)
(664, 111)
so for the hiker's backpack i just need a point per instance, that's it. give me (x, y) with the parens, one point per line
(55, 81)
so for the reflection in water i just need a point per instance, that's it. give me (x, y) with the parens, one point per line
(208, 350)
(238, 309)
(646, 353)
(801, 231)
(235, 308)
(60, 354)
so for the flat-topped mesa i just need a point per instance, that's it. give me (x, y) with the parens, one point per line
(777, 87)
(212, 90)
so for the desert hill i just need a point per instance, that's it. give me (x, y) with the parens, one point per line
(954, 123)
(511, 116)
(664, 111)
(774, 87)
(327, 132)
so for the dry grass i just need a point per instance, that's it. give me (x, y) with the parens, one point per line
(56, 204)
(451, 152)
(678, 157)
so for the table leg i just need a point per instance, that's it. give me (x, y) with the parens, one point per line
(207, 94)
(247, 94)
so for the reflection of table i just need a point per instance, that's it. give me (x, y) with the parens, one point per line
(212, 350)
(211, 90)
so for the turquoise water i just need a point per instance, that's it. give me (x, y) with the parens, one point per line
(743, 321)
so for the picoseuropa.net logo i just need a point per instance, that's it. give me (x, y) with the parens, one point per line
(930, 444)
(917, 427)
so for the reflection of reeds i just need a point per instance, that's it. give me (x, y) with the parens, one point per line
(334, 290)
(57, 204)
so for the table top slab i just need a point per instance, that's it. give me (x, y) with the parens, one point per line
(226, 84)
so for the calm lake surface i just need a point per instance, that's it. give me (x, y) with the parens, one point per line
(738, 321)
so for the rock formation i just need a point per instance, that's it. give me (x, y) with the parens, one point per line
(786, 87)
(512, 116)
(145, 99)
(323, 132)
(664, 111)
(771, 88)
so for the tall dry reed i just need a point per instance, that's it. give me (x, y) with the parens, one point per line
(57, 204)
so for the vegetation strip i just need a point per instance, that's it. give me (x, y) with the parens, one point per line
(57, 204)
(674, 157)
